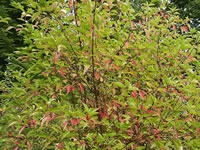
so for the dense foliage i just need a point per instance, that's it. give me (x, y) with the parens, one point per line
(97, 75)
(9, 39)
(190, 9)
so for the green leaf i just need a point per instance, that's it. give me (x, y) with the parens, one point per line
(119, 84)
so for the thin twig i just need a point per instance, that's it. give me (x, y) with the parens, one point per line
(123, 44)
(92, 49)
(158, 43)
(75, 14)
(62, 29)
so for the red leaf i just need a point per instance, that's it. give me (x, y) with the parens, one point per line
(155, 131)
(62, 72)
(115, 66)
(54, 95)
(174, 27)
(75, 121)
(190, 58)
(48, 119)
(103, 113)
(142, 107)
(135, 146)
(37, 93)
(81, 87)
(185, 28)
(134, 94)
(133, 62)
(65, 124)
(136, 127)
(60, 146)
(116, 104)
(34, 122)
(68, 89)
(141, 93)
(120, 119)
(97, 75)
(47, 113)
(17, 142)
(150, 111)
(16, 148)
(21, 129)
(175, 91)
(158, 137)
(130, 132)
(69, 128)
(108, 61)
(127, 44)
(18, 29)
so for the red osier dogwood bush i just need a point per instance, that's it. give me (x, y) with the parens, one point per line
(98, 75)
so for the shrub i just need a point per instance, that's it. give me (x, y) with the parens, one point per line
(97, 75)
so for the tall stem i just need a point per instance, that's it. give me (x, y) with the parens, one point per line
(92, 49)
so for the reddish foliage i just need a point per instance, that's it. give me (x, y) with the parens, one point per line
(97, 75)
(17, 142)
(134, 94)
(150, 111)
(16, 148)
(108, 61)
(65, 124)
(54, 95)
(21, 129)
(174, 27)
(158, 137)
(115, 66)
(134, 62)
(60, 146)
(87, 116)
(135, 146)
(103, 112)
(62, 72)
(185, 28)
(120, 119)
(142, 107)
(75, 121)
(69, 128)
(141, 93)
(81, 87)
(32, 122)
(68, 89)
